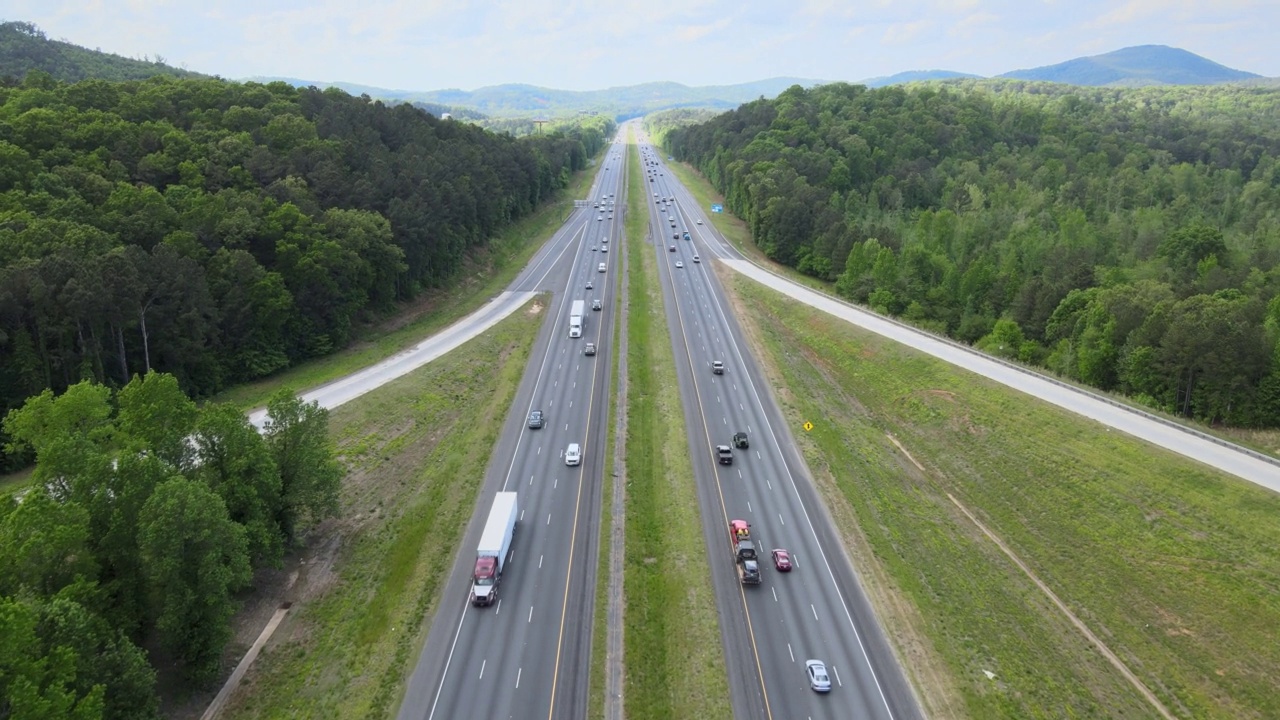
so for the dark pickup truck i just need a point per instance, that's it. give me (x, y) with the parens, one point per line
(724, 455)
(740, 441)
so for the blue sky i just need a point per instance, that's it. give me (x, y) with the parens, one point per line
(593, 44)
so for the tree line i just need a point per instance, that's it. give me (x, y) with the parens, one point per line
(146, 515)
(221, 232)
(25, 47)
(1128, 239)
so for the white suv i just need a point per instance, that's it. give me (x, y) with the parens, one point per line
(573, 455)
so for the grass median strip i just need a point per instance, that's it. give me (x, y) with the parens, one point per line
(1174, 566)
(672, 637)
(416, 451)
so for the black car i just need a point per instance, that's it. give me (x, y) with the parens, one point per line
(740, 441)
(536, 420)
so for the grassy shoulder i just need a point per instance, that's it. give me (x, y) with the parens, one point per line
(671, 633)
(487, 273)
(416, 451)
(1176, 567)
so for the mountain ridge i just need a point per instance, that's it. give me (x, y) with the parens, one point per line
(1136, 65)
(24, 48)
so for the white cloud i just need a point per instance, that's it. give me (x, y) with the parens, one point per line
(586, 44)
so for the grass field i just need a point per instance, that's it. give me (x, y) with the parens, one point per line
(486, 274)
(416, 451)
(1174, 566)
(672, 637)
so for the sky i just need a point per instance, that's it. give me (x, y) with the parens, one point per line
(596, 44)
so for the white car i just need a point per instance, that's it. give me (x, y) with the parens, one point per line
(573, 456)
(699, 222)
(697, 259)
(679, 264)
(818, 678)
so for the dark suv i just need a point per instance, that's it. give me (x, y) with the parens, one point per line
(536, 420)
(724, 455)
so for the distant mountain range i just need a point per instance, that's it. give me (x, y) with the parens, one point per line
(23, 47)
(1134, 66)
(622, 102)
(915, 76)
(1128, 67)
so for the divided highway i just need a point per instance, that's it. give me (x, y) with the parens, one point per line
(527, 655)
(818, 610)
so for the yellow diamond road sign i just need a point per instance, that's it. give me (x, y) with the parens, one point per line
(808, 426)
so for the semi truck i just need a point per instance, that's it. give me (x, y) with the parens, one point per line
(495, 543)
(575, 319)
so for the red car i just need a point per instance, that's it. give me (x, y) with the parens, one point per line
(782, 560)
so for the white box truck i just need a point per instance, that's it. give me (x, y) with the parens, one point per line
(575, 318)
(495, 543)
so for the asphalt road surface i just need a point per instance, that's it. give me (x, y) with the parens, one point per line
(816, 611)
(527, 655)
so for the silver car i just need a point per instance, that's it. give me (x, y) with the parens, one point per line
(818, 678)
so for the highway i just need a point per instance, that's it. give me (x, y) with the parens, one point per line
(818, 609)
(528, 655)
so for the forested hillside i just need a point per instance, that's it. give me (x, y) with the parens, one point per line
(222, 231)
(1125, 238)
(147, 515)
(24, 47)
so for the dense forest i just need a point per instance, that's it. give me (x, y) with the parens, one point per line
(24, 47)
(221, 231)
(1128, 239)
(146, 516)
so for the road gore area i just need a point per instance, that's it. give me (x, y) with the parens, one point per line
(671, 641)
(415, 451)
(1174, 566)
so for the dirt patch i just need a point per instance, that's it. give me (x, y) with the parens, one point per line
(304, 574)
(535, 308)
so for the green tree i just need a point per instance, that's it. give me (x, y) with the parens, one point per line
(1005, 340)
(298, 435)
(103, 658)
(38, 682)
(235, 461)
(69, 434)
(157, 416)
(194, 557)
(44, 546)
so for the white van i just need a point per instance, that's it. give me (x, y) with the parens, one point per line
(602, 267)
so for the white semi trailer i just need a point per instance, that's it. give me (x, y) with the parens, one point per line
(575, 318)
(495, 543)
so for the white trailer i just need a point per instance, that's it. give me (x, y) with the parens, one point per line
(575, 318)
(495, 543)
